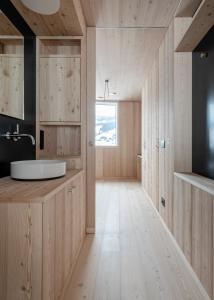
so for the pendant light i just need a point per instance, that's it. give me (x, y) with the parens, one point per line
(44, 7)
(106, 89)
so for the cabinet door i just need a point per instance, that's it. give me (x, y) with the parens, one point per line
(78, 214)
(59, 89)
(57, 244)
(63, 221)
(20, 251)
(76, 218)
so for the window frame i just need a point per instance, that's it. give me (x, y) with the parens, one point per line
(117, 121)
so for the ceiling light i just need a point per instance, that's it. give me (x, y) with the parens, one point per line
(44, 7)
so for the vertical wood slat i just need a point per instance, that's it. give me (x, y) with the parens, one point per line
(166, 133)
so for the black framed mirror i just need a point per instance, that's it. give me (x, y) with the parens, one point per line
(11, 69)
(23, 149)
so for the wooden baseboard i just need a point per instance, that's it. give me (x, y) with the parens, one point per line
(183, 257)
(90, 230)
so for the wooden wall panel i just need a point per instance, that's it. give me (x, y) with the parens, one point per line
(193, 229)
(173, 125)
(183, 112)
(121, 161)
(182, 208)
(166, 110)
(188, 211)
(150, 132)
(202, 237)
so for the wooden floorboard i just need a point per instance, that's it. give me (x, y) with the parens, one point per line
(132, 256)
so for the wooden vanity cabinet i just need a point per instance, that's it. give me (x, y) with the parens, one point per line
(63, 234)
(40, 243)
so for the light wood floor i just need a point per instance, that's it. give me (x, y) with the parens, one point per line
(131, 256)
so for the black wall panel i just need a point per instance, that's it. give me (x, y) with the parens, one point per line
(203, 107)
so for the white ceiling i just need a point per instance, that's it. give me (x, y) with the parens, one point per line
(129, 33)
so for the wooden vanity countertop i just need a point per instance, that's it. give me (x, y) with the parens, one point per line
(14, 191)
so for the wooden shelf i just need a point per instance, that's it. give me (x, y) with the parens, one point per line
(201, 23)
(60, 56)
(60, 123)
(11, 55)
(61, 142)
(202, 183)
(57, 47)
(60, 157)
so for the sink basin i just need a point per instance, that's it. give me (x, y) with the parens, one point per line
(37, 169)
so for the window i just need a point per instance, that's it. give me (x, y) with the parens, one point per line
(106, 124)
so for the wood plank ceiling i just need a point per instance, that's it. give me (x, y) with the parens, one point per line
(124, 56)
(6, 26)
(129, 33)
(69, 20)
(129, 13)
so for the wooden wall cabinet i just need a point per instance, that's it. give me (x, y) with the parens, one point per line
(60, 89)
(40, 243)
(61, 101)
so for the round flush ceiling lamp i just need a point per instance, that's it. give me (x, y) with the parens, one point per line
(44, 7)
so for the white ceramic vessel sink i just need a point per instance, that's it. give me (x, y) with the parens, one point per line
(37, 169)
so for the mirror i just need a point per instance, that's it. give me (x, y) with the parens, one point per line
(11, 69)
